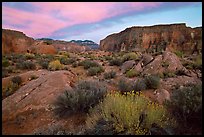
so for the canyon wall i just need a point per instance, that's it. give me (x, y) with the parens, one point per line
(155, 38)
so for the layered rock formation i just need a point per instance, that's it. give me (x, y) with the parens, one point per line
(15, 41)
(155, 38)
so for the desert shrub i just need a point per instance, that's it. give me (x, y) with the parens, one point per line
(67, 61)
(129, 56)
(131, 114)
(9, 89)
(88, 64)
(29, 56)
(165, 64)
(54, 129)
(44, 63)
(179, 53)
(16, 80)
(124, 86)
(26, 65)
(64, 53)
(95, 70)
(186, 105)
(49, 57)
(198, 62)
(4, 73)
(116, 62)
(108, 58)
(168, 74)
(109, 75)
(152, 81)
(10, 69)
(131, 73)
(55, 65)
(139, 85)
(84, 95)
(75, 64)
(5, 63)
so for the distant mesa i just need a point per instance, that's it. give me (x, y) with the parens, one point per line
(156, 38)
(88, 43)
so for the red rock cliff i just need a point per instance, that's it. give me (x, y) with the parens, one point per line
(155, 38)
(15, 41)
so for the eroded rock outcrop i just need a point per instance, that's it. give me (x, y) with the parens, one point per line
(155, 38)
(30, 107)
(15, 41)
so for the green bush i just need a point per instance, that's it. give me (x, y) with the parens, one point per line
(88, 64)
(116, 62)
(124, 86)
(129, 56)
(131, 114)
(29, 56)
(152, 81)
(95, 70)
(74, 65)
(84, 95)
(4, 73)
(9, 90)
(5, 63)
(44, 63)
(67, 61)
(139, 85)
(167, 74)
(64, 53)
(55, 65)
(165, 64)
(16, 80)
(26, 65)
(179, 53)
(186, 106)
(198, 62)
(110, 75)
(131, 73)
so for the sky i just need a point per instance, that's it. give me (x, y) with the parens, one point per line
(94, 20)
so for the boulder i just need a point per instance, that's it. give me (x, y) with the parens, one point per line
(127, 65)
(146, 58)
(161, 95)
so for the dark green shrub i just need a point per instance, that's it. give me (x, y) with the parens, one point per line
(179, 53)
(116, 62)
(130, 56)
(131, 73)
(186, 106)
(9, 89)
(152, 81)
(84, 95)
(95, 70)
(4, 73)
(124, 86)
(74, 65)
(167, 74)
(110, 75)
(26, 65)
(139, 85)
(165, 64)
(67, 61)
(16, 80)
(5, 63)
(44, 63)
(29, 56)
(88, 64)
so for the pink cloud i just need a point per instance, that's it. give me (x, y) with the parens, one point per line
(52, 16)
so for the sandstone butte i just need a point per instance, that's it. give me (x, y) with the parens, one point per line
(155, 38)
(17, 42)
